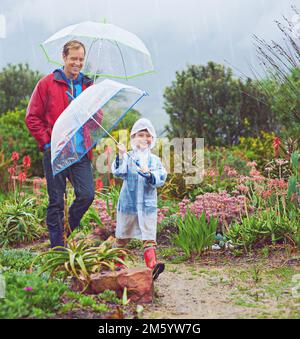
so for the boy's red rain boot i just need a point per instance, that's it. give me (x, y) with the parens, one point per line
(151, 262)
(119, 266)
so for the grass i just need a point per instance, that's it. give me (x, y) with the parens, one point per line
(261, 287)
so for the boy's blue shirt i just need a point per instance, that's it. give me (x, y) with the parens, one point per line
(137, 190)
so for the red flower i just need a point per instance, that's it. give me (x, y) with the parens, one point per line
(22, 177)
(15, 156)
(108, 150)
(99, 185)
(26, 161)
(276, 144)
(11, 171)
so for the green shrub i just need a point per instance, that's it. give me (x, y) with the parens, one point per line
(19, 222)
(267, 227)
(294, 187)
(30, 296)
(87, 303)
(16, 259)
(91, 216)
(230, 156)
(16, 137)
(258, 149)
(195, 235)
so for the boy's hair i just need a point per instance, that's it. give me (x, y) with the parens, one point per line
(72, 44)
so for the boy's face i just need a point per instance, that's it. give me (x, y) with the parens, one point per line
(142, 139)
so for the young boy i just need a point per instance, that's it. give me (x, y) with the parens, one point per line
(137, 205)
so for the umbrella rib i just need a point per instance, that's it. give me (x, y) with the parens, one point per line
(115, 141)
(104, 130)
(122, 59)
(91, 45)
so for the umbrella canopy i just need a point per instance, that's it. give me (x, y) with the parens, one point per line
(87, 119)
(111, 52)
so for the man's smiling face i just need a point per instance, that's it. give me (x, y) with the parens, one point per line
(74, 62)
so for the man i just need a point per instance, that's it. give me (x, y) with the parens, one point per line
(48, 101)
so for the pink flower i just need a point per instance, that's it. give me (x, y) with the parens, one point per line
(210, 173)
(28, 289)
(266, 194)
(252, 164)
(221, 205)
(278, 183)
(281, 162)
(243, 188)
(254, 172)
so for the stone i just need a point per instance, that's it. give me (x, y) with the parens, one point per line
(138, 281)
(139, 284)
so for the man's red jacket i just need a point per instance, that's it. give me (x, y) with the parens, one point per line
(49, 99)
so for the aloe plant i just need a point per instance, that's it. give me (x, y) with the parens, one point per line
(19, 222)
(263, 228)
(293, 187)
(195, 235)
(78, 260)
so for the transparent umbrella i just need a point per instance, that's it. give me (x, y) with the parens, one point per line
(89, 118)
(111, 52)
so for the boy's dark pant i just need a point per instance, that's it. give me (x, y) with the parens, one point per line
(81, 178)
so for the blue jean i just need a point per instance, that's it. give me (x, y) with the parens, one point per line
(81, 177)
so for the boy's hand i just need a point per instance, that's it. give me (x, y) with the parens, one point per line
(146, 175)
(145, 169)
(122, 149)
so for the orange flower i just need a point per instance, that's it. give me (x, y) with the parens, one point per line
(108, 150)
(26, 161)
(15, 156)
(99, 185)
(22, 177)
(11, 171)
(276, 144)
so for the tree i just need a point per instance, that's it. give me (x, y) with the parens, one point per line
(281, 83)
(256, 112)
(16, 86)
(207, 101)
(129, 119)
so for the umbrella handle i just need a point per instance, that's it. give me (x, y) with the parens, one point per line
(116, 142)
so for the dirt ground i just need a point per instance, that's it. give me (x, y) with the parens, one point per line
(265, 284)
(255, 288)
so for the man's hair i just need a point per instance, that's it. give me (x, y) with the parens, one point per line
(72, 44)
